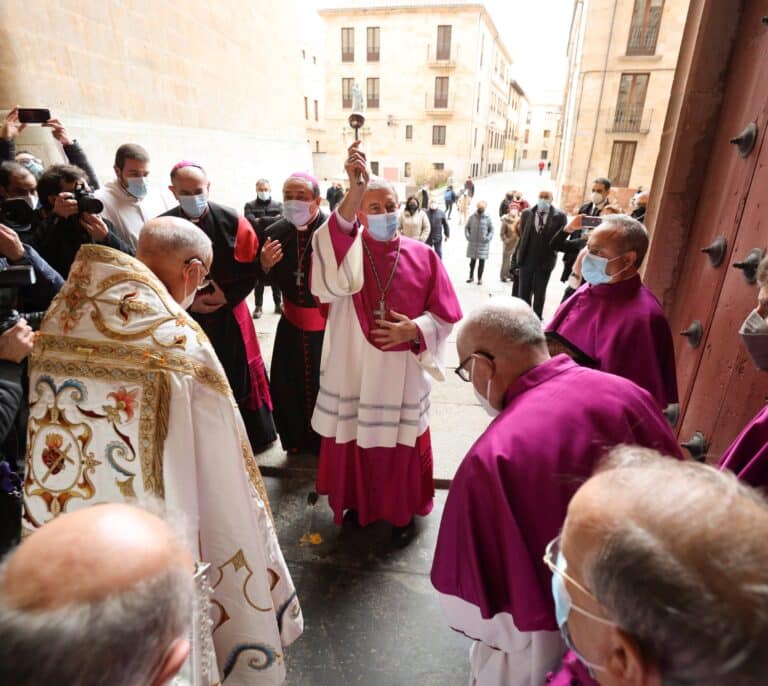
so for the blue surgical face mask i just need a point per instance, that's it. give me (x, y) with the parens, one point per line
(563, 607)
(34, 168)
(593, 269)
(137, 187)
(194, 205)
(382, 227)
(543, 205)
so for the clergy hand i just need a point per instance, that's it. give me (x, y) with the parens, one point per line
(271, 254)
(94, 226)
(391, 334)
(206, 304)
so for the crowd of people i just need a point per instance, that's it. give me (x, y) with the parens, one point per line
(577, 545)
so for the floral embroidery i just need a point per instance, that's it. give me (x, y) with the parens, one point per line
(125, 401)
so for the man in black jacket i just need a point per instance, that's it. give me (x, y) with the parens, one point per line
(261, 212)
(66, 228)
(535, 259)
(570, 244)
(438, 226)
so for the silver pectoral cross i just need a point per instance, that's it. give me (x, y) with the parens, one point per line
(299, 274)
(381, 311)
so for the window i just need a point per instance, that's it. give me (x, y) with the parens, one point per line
(407, 170)
(644, 29)
(372, 88)
(317, 146)
(303, 54)
(622, 157)
(314, 59)
(546, 133)
(408, 134)
(478, 97)
(438, 135)
(525, 154)
(475, 143)
(544, 154)
(441, 91)
(306, 108)
(375, 168)
(346, 92)
(438, 166)
(630, 102)
(443, 43)
(527, 134)
(317, 112)
(372, 43)
(347, 45)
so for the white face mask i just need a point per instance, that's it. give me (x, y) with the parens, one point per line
(298, 212)
(597, 198)
(490, 410)
(263, 195)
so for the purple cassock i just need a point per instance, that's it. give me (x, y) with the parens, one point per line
(623, 327)
(747, 456)
(510, 495)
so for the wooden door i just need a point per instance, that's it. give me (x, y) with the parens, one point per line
(720, 390)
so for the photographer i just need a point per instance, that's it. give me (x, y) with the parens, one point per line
(72, 217)
(15, 344)
(12, 127)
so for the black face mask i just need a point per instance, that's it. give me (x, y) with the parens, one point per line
(411, 208)
(480, 210)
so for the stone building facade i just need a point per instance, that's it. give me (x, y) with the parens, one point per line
(539, 135)
(622, 56)
(435, 82)
(193, 80)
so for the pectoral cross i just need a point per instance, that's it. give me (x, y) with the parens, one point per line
(299, 274)
(381, 311)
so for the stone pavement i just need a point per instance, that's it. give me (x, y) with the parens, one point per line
(456, 418)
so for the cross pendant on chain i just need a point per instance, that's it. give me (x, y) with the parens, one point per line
(381, 311)
(299, 274)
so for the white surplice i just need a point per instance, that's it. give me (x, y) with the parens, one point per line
(377, 398)
(128, 400)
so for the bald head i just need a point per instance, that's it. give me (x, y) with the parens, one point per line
(684, 573)
(498, 342)
(125, 543)
(108, 590)
(177, 251)
(621, 235)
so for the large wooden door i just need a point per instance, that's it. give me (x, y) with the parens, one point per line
(720, 390)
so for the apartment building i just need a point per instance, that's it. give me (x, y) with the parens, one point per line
(434, 79)
(622, 56)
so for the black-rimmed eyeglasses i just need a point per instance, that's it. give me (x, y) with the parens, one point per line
(465, 374)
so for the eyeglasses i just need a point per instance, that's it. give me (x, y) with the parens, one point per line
(205, 281)
(551, 554)
(463, 373)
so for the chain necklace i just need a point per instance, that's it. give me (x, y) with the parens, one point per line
(381, 311)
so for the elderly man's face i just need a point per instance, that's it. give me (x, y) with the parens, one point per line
(294, 189)
(262, 187)
(605, 241)
(378, 201)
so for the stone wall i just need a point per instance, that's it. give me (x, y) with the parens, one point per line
(201, 80)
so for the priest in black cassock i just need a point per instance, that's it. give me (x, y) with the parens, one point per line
(220, 308)
(285, 259)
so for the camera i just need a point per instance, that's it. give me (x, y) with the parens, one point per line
(87, 201)
(16, 214)
(11, 279)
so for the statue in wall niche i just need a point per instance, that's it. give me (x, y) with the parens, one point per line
(357, 98)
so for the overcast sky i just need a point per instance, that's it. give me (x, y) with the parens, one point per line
(534, 31)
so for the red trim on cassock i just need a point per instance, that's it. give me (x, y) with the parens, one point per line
(259, 385)
(246, 241)
(304, 318)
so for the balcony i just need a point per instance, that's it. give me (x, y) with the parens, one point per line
(439, 106)
(442, 56)
(642, 40)
(632, 119)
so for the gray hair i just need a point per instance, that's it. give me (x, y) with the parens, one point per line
(508, 320)
(377, 183)
(686, 574)
(118, 641)
(172, 235)
(264, 181)
(634, 236)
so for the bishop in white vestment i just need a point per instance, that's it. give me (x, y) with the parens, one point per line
(391, 308)
(127, 399)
